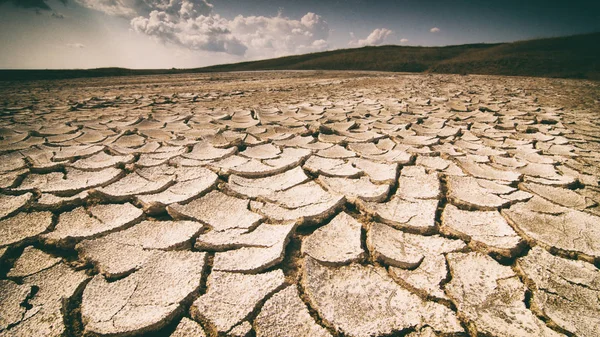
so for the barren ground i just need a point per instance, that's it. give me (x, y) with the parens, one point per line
(300, 204)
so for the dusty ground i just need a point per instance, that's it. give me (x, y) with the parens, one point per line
(300, 204)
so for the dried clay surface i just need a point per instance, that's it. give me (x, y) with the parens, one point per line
(296, 204)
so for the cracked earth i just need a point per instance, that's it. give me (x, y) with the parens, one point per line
(300, 204)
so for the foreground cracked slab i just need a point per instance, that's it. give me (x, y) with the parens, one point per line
(55, 286)
(32, 261)
(557, 227)
(285, 315)
(188, 328)
(145, 301)
(340, 295)
(338, 242)
(417, 261)
(231, 297)
(566, 291)
(11, 204)
(491, 297)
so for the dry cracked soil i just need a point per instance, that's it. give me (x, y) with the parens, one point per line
(300, 204)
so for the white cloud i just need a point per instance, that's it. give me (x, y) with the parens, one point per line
(124, 8)
(209, 33)
(76, 45)
(435, 30)
(193, 24)
(277, 36)
(376, 38)
(403, 40)
(134, 8)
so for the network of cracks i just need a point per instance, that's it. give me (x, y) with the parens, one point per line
(300, 204)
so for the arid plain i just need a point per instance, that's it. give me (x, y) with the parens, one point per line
(300, 204)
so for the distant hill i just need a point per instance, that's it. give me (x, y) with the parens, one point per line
(566, 57)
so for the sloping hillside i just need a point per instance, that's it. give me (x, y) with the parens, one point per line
(384, 58)
(569, 57)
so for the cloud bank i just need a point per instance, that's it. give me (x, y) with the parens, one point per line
(193, 24)
(435, 30)
(377, 37)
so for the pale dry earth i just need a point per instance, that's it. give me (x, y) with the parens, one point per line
(300, 204)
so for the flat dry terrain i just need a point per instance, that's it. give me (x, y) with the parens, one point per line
(300, 204)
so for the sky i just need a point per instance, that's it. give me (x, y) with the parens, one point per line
(143, 34)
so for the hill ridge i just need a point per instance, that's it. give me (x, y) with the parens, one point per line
(576, 56)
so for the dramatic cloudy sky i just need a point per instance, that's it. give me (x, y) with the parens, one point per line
(192, 33)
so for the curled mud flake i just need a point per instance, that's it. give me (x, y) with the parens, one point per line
(183, 191)
(558, 195)
(217, 210)
(122, 252)
(417, 216)
(85, 223)
(74, 181)
(486, 230)
(252, 258)
(101, 161)
(255, 188)
(379, 173)
(415, 259)
(205, 151)
(306, 201)
(481, 194)
(353, 189)
(331, 167)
